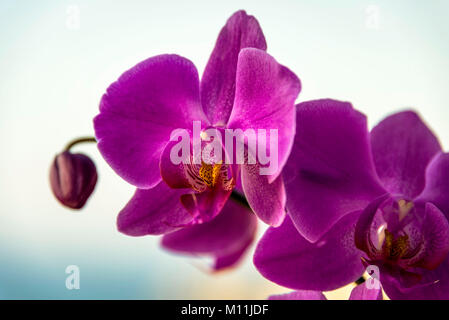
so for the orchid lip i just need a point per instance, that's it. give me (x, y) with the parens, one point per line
(398, 239)
(394, 244)
(209, 176)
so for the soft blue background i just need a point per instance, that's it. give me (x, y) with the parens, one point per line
(52, 78)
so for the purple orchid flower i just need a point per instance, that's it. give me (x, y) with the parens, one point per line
(356, 198)
(359, 292)
(242, 87)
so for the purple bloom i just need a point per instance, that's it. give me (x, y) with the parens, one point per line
(242, 87)
(358, 198)
(72, 179)
(360, 292)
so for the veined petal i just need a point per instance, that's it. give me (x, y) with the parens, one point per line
(288, 259)
(402, 147)
(172, 174)
(218, 81)
(225, 238)
(330, 171)
(153, 211)
(364, 225)
(140, 110)
(264, 99)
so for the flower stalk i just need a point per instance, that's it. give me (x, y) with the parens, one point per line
(78, 141)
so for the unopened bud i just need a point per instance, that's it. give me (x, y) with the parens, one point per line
(72, 179)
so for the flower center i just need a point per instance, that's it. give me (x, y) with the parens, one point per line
(396, 238)
(404, 239)
(394, 249)
(210, 173)
(209, 176)
(394, 242)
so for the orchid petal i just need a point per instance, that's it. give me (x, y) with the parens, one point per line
(402, 147)
(140, 110)
(286, 258)
(264, 100)
(218, 81)
(330, 171)
(266, 199)
(153, 211)
(436, 190)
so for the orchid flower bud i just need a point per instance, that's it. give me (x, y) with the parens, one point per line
(72, 178)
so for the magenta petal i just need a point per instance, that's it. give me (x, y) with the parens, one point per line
(140, 110)
(218, 81)
(266, 199)
(437, 183)
(264, 99)
(363, 292)
(286, 258)
(173, 175)
(402, 147)
(299, 295)
(362, 236)
(330, 171)
(225, 238)
(153, 211)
